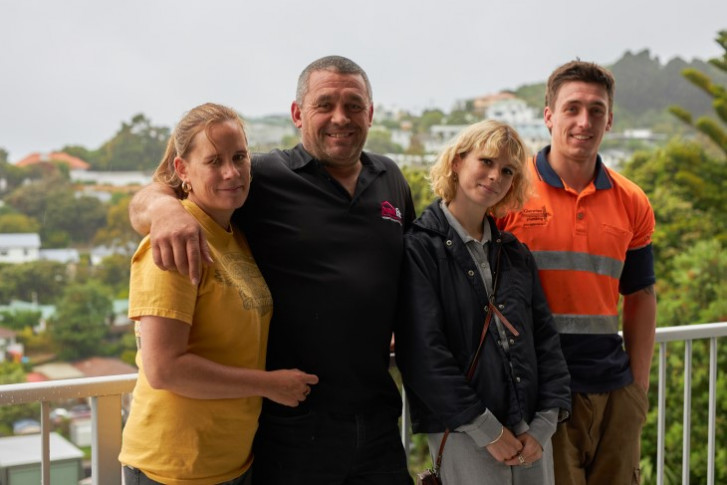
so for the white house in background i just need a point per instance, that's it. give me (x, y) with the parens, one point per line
(402, 138)
(510, 111)
(267, 130)
(534, 134)
(115, 179)
(46, 311)
(98, 253)
(65, 256)
(440, 135)
(19, 247)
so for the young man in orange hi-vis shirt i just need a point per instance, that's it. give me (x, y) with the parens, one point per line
(590, 230)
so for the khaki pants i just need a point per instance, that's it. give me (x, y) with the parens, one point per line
(601, 442)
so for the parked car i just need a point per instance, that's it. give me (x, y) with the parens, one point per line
(26, 426)
(80, 411)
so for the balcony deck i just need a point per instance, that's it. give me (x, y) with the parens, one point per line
(106, 394)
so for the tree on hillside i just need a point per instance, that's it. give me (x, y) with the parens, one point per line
(80, 323)
(685, 184)
(114, 271)
(79, 217)
(459, 117)
(117, 232)
(63, 217)
(429, 118)
(713, 129)
(13, 175)
(697, 290)
(421, 191)
(379, 141)
(89, 156)
(138, 145)
(20, 319)
(15, 222)
(13, 373)
(41, 281)
(686, 170)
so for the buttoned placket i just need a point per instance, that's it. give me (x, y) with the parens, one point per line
(478, 250)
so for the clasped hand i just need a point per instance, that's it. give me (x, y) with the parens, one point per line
(516, 450)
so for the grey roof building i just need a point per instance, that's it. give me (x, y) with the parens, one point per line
(19, 247)
(20, 458)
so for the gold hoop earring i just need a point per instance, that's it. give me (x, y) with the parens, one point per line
(186, 187)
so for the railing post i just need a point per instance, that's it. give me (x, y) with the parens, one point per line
(106, 439)
(686, 420)
(712, 410)
(661, 419)
(45, 426)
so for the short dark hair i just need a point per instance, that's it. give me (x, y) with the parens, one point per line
(337, 64)
(587, 72)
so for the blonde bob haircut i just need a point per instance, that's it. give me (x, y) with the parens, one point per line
(199, 118)
(494, 139)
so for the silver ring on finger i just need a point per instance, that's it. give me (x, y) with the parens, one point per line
(521, 459)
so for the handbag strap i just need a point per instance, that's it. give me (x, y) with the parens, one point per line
(473, 365)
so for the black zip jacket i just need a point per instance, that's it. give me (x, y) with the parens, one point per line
(443, 309)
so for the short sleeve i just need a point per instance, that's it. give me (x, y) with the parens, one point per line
(155, 292)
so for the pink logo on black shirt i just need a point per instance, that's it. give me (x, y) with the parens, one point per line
(388, 211)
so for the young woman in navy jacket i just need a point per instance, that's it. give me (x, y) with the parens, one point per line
(458, 267)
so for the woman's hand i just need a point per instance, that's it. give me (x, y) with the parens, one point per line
(177, 240)
(530, 453)
(506, 447)
(289, 387)
(169, 365)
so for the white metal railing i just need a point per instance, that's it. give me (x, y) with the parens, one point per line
(664, 335)
(688, 334)
(106, 394)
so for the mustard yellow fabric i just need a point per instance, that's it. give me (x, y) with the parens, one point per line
(178, 440)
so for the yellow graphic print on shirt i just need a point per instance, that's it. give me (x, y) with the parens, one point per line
(240, 271)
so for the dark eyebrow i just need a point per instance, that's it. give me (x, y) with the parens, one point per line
(323, 98)
(356, 98)
(577, 101)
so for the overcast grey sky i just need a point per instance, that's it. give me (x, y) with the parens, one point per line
(72, 70)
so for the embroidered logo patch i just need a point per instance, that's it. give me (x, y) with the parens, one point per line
(389, 212)
(536, 217)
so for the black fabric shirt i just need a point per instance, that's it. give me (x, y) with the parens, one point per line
(332, 263)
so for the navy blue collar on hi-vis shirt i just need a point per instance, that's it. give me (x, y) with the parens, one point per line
(547, 174)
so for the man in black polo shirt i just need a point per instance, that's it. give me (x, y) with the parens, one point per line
(325, 222)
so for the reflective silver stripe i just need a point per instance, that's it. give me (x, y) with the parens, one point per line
(593, 324)
(572, 261)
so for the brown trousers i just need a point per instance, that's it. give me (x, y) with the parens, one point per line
(601, 442)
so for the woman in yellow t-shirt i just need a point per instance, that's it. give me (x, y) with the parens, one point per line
(202, 346)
